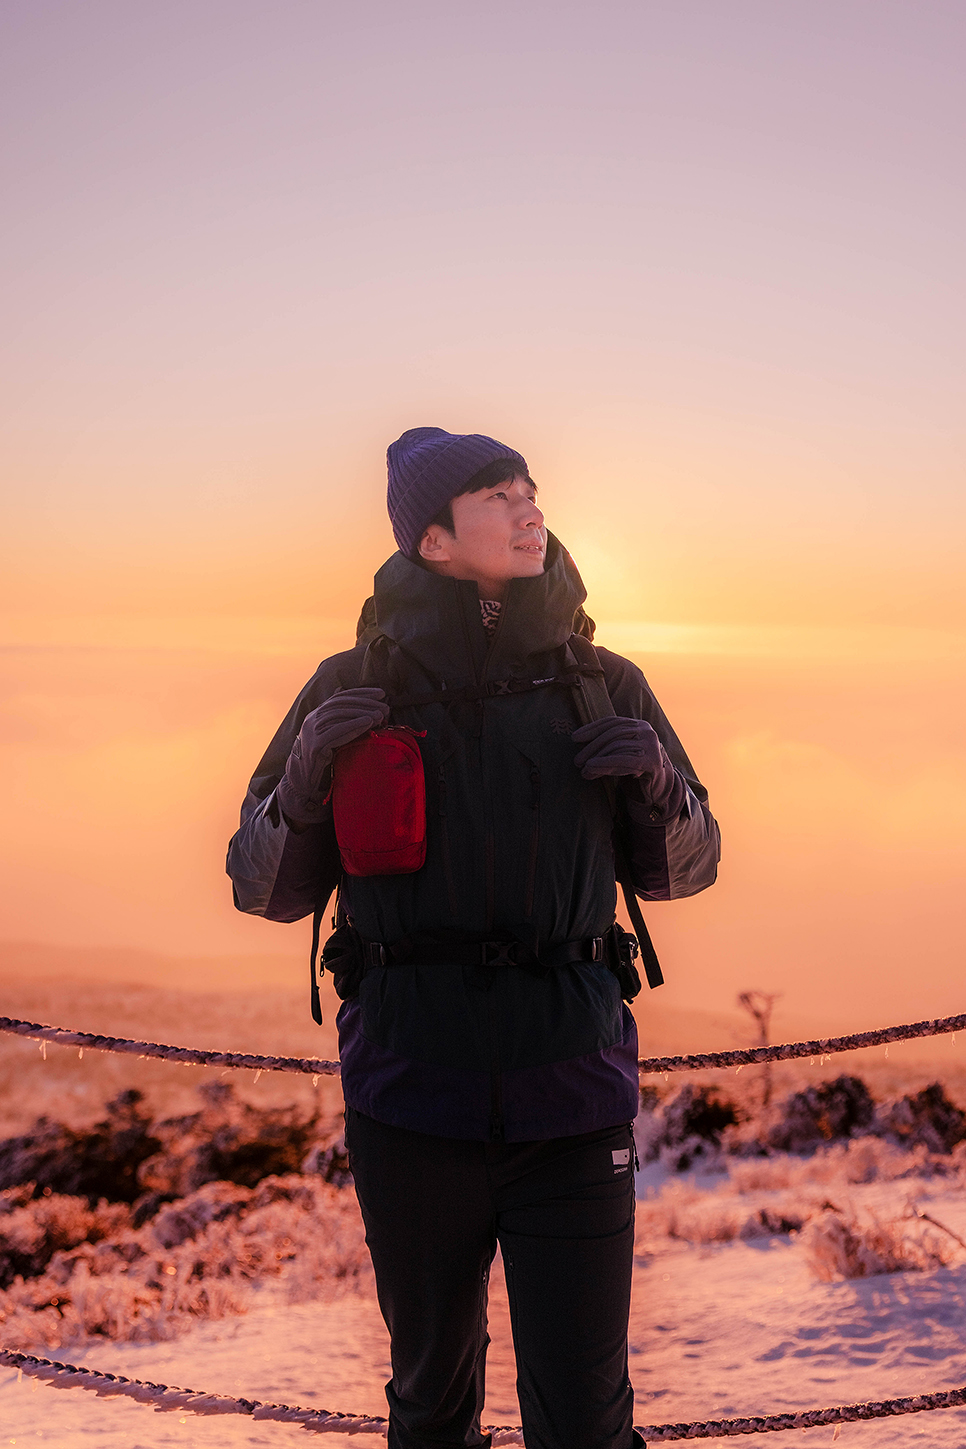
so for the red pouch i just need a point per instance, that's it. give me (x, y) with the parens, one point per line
(379, 803)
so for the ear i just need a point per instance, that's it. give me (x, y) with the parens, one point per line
(434, 546)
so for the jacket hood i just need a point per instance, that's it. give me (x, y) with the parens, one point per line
(437, 620)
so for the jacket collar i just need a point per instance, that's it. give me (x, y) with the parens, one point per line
(437, 620)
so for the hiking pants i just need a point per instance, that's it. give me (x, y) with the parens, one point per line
(563, 1213)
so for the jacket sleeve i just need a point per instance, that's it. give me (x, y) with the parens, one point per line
(669, 858)
(277, 871)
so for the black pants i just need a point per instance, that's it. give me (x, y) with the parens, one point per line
(563, 1214)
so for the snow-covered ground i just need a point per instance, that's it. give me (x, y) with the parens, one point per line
(721, 1325)
(717, 1330)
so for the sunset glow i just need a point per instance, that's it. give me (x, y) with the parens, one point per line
(696, 262)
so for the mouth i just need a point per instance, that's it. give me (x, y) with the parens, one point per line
(534, 548)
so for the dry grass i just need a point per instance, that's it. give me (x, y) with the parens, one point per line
(784, 1194)
(861, 1160)
(685, 1213)
(201, 1257)
(841, 1245)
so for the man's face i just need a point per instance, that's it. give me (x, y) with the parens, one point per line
(500, 536)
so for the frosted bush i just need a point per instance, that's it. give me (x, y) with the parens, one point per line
(201, 1258)
(687, 1128)
(31, 1233)
(839, 1245)
(825, 1112)
(227, 1140)
(928, 1119)
(96, 1162)
(176, 1222)
(698, 1124)
(682, 1212)
(129, 1154)
(863, 1159)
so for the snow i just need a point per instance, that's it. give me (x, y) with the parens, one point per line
(717, 1330)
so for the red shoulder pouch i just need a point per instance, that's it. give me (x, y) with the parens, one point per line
(379, 803)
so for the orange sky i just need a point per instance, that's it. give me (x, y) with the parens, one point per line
(702, 265)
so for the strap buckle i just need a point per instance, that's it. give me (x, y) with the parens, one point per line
(376, 954)
(505, 953)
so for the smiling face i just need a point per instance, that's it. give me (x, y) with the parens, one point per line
(498, 535)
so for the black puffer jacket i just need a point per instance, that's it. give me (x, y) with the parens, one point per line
(519, 845)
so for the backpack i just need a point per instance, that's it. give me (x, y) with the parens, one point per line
(362, 810)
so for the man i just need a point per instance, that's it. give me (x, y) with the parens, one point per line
(489, 1063)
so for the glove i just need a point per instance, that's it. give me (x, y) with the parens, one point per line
(630, 747)
(347, 715)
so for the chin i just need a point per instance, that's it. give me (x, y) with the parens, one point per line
(528, 565)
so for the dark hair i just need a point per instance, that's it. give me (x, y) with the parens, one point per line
(501, 470)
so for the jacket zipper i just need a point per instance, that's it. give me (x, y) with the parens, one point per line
(489, 865)
(496, 1102)
(534, 838)
(444, 840)
(489, 841)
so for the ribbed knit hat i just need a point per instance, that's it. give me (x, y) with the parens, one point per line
(428, 467)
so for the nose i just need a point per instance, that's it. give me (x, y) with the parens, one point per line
(533, 517)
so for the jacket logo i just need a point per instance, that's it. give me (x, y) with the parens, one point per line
(561, 726)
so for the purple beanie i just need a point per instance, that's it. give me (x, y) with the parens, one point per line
(427, 468)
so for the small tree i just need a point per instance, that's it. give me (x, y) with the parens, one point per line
(759, 1006)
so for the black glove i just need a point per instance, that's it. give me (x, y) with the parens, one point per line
(630, 747)
(347, 715)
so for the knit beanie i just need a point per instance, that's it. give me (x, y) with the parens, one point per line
(427, 468)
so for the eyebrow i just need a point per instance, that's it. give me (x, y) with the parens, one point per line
(497, 486)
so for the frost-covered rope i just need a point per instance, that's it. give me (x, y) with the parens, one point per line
(749, 1056)
(311, 1066)
(809, 1419)
(169, 1399)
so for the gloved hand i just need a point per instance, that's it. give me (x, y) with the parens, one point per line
(630, 747)
(347, 715)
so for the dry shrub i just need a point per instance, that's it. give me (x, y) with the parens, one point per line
(129, 1156)
(31, 1233)
(102, 1161)
(227, 1140)
(825, 1112)
(927, 1118)
(201, 1258)
(684, 1213)
(863, 1159)
(840, 1245)
(688, 1127)
(690, 1214)
(697, 1124)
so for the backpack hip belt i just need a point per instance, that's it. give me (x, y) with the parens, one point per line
(349, 955)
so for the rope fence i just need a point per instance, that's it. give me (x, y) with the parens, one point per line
(313, 1066)
(827, 1047)
(310, 1066)
(167, 1398)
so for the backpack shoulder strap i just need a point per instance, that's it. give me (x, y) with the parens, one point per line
(594, 702)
